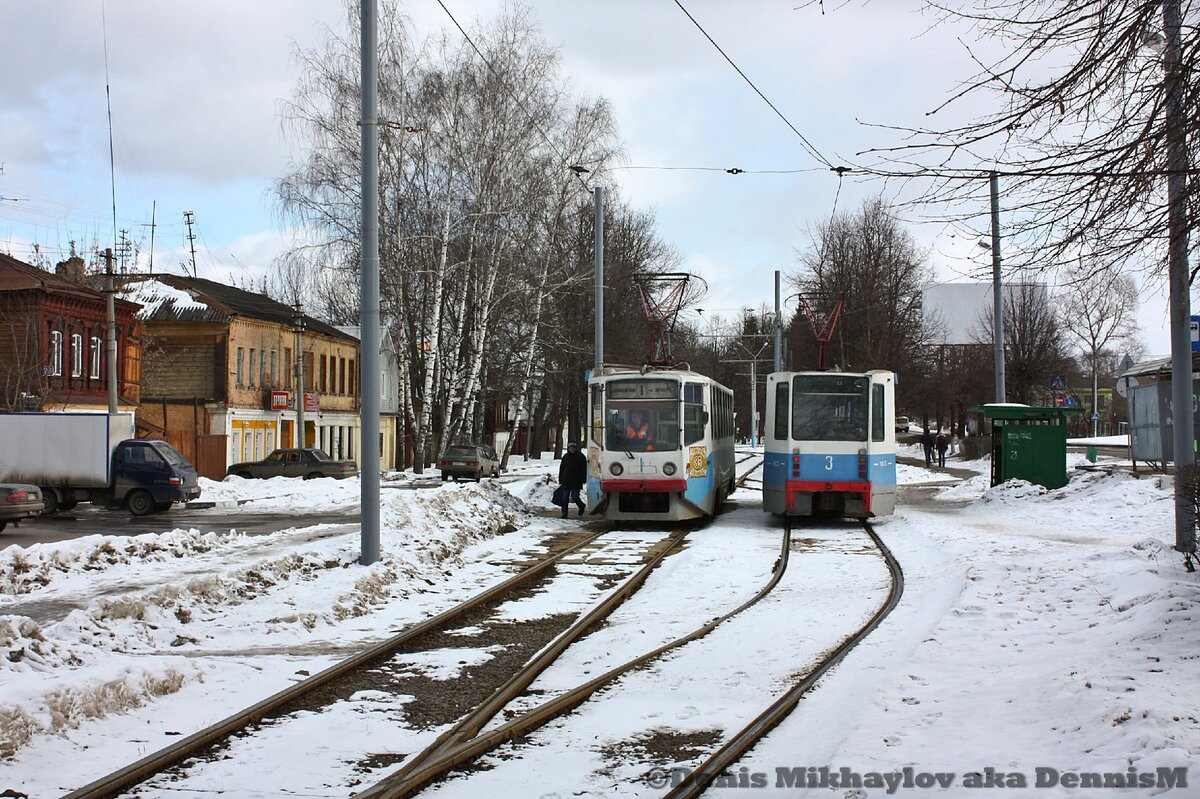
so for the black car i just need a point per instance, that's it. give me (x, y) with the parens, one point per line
(469, 460)
(306, 463)
(19, 502)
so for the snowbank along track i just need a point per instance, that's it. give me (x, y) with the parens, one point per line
(469, 726)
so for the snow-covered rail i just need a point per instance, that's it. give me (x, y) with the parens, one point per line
(696, 781)
(200, 741)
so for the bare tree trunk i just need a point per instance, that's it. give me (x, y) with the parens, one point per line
(431, 349)
(530, 351)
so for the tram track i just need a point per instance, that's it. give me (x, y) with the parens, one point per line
(204, 740)
(694, 782)
(454, 751)
(464, 735)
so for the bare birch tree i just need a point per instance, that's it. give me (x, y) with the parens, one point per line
(1098, 311)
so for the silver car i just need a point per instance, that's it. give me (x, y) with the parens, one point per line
(469, 460)
(19, 502)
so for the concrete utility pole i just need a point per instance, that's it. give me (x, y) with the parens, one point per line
(298, 326)
(599, 274)
(778, 327)
(369, 354)
(110, 329)
(997, 290)
(1177, 268)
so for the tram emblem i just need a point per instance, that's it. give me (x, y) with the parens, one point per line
(697, 461)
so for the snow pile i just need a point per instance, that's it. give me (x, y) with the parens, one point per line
(282, 492)
(26, 570)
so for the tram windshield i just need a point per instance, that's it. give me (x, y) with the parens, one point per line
(642, 415)
(830, 407)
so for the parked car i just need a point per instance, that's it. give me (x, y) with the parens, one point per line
(307, 463)
(902, 424)
(469, 460)
(19, 502)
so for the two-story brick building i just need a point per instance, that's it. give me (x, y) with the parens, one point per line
(219, 380)
(52, 334)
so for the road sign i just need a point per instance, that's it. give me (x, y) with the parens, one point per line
(1095, 417)
(1194, 327)
(1060, 401)
(1071, 401)
(1058, 382)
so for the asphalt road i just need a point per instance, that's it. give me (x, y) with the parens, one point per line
(88, 520)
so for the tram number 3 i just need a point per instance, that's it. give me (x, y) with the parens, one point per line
(829, 463)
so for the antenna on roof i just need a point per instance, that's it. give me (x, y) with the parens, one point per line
(112, 162)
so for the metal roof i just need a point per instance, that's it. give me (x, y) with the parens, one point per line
(1158, 366)
(217, 302)
(17, 275)
(1012, 410)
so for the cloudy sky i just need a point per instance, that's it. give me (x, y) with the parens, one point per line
(196, 91)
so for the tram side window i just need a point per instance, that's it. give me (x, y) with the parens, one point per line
(781, 411)
(878, 432)
(597, 425)
(693, 413)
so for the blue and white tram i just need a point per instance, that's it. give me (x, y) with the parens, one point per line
(660, 444)
(830, 444)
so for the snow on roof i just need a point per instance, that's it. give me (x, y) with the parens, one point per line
(155, 296)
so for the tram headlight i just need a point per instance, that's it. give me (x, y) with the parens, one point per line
(669, 469)
(617, 469)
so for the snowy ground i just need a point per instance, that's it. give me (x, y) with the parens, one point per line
(1038, 630)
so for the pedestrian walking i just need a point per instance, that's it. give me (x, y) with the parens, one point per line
(572, 474)
(927, 445)
(941, 443)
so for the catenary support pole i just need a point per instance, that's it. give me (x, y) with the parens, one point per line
(753, 403)
(1183, 436)
(778, 328)
(997, 290)
(369, 335)
(599, 303)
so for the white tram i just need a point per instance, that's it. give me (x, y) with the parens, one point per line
(660, 443)
(830, 444)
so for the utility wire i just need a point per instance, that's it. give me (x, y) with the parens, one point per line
(808, 146)
(512, 94)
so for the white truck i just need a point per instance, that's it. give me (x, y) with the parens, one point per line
(93, 457)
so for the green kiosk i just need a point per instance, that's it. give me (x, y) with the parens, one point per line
(1028, 442)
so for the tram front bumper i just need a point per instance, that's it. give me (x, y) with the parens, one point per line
(814, 497)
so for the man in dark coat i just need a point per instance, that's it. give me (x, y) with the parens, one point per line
(927, 445)
(572, 475)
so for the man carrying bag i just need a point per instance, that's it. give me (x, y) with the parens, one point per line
(572, 475)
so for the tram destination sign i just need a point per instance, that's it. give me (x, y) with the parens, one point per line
(643, 390)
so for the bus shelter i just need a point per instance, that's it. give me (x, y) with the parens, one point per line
(1028, 442)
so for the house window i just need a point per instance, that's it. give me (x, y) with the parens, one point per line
(133, 362)
(288, 367)
(323, 386)
(56, 353)
(96, 357)
(241, 354)
(76, 355)
(274, 375)
(262, 369)
(352, 392)
(253, 366)
(310, 379)
(341, 375)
